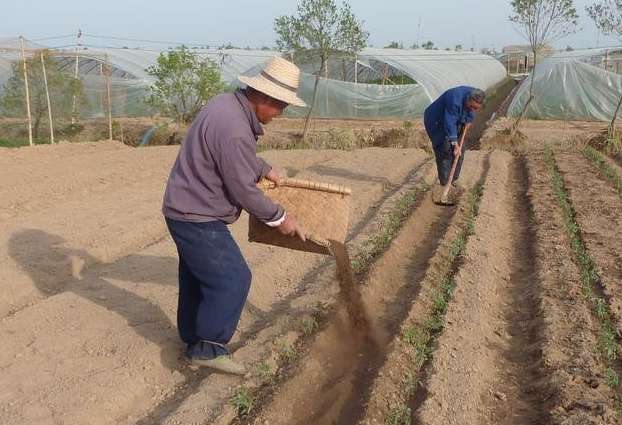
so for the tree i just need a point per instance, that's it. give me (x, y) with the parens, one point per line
(428, 45)
(607, 15)
(458, 48)
(184, 82)
(542, 22)
(322, 27)
(61, 86)
(394, 45)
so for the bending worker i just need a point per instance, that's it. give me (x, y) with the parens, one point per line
(212, 180)
(445, 120)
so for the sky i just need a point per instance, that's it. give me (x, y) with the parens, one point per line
(471, 23)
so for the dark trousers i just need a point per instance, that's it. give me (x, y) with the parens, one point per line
(444, 154)
(214, 281)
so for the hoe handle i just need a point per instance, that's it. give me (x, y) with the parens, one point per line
(308, 184)
(455, 163)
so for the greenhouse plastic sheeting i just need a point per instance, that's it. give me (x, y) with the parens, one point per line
(434, 71)
(439, 70)
(338, 99)
(231, 62)
(571, 86)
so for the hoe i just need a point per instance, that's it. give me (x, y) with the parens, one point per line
(445, 195)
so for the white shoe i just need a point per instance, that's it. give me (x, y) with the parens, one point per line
(222, 363)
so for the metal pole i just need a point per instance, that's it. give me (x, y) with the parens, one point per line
(75, 77)
(27, 93)
(47, 94)
(108, 71)
(356, 69)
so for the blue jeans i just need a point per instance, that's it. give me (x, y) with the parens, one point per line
(443, 151)
(214, 281)
(444, 154)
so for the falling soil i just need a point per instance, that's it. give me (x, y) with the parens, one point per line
(349, 293)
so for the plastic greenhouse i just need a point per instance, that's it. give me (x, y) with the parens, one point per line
(573, 85)
(367, 86)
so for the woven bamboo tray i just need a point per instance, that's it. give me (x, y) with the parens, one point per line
(323, 210)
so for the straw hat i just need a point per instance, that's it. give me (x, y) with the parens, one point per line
(279, 79)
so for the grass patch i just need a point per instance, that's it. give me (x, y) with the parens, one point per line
(264, 371)
(378, 243)
(604, 167)
(19, 143)
(613, 144)
(590, 280)
(288, 354)
(243, 401)
(399, 415)
(309, 325)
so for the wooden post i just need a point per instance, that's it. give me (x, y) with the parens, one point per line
(326, 69)
(508, 63)
(326, 84)
(384, 74)
(27, 93)
(606, 59)
(47, 95)
(107, 73)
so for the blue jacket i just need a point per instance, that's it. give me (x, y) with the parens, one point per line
(445, 117)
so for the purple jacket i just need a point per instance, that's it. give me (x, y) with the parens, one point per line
(216, 171)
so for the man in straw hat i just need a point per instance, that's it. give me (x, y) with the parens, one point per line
(213, 179)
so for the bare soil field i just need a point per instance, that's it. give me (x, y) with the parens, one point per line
(478, 312)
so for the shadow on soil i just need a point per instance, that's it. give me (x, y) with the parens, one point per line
(42, 255)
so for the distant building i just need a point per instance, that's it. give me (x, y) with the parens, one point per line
(518, 59)
(516, 49)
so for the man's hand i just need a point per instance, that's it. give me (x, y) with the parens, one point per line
(291, 227)
(275, 176)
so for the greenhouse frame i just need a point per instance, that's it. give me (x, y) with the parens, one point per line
(365, 86)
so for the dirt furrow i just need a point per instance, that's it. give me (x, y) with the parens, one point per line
(397, 380)
(599, 213)
(486, 362)
(331, 383)
(570, 349)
